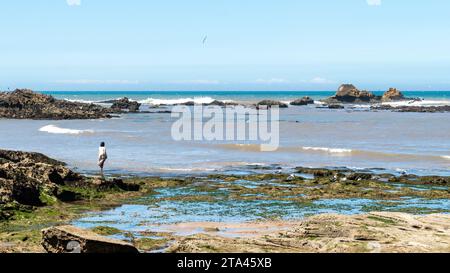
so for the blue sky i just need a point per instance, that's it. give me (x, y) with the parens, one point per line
(250, 45)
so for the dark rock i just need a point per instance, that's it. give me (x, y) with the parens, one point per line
(104, 184)
(26, 104)
(335, 106)
(303, 101)
(358, 176)
(220, 103)
(270, 103)
(125, 105)
(70, 239)
(189, 103)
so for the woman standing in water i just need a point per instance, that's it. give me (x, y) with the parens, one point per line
(102, 156)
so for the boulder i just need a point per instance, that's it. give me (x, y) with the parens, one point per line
(303, 101)
(270, 103)
(126, 105)
(26, 104)
(70, 239)
(392, 95)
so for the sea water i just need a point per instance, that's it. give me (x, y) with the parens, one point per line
(309, 136)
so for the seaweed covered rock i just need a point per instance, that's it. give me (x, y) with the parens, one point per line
(70, 239)
(28, 178)
(26, 104)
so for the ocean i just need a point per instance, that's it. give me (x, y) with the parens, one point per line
(309, 136)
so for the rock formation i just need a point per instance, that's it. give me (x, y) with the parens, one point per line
(125, 105)
(69, 239)
(392, 95)
(26, 178)
(26, 104)
(348, 93)
(302, 101)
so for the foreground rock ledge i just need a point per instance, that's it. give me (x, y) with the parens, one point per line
(376, 232)
(69, 239)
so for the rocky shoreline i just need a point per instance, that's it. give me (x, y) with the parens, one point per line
(26, 104)
(38, 192)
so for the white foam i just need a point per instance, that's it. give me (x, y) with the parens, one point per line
(328, 150)
(52, 129)
(80, 101)
(198, 100)
(418, 103)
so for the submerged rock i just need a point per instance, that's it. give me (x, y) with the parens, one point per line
(26, 104)
(336, 106)
(303, 101)
(125, 104)
(270, 103)
(70, 239)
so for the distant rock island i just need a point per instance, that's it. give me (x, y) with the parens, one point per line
(348, 93)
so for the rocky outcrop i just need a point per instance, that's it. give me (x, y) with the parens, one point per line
(26, 104)
(34, 179)
(348, 93)
(69, 239)
(392, 95)
(125, 105)
(413, 109)
(26, 178)
(270, 103)
(303, 101)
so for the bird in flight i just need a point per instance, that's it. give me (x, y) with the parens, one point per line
(205, 39)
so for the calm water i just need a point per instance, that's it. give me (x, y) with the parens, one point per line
(310, 136)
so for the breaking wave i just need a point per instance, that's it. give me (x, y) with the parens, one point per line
(198, 100)
(328, 150)
(52, 129)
